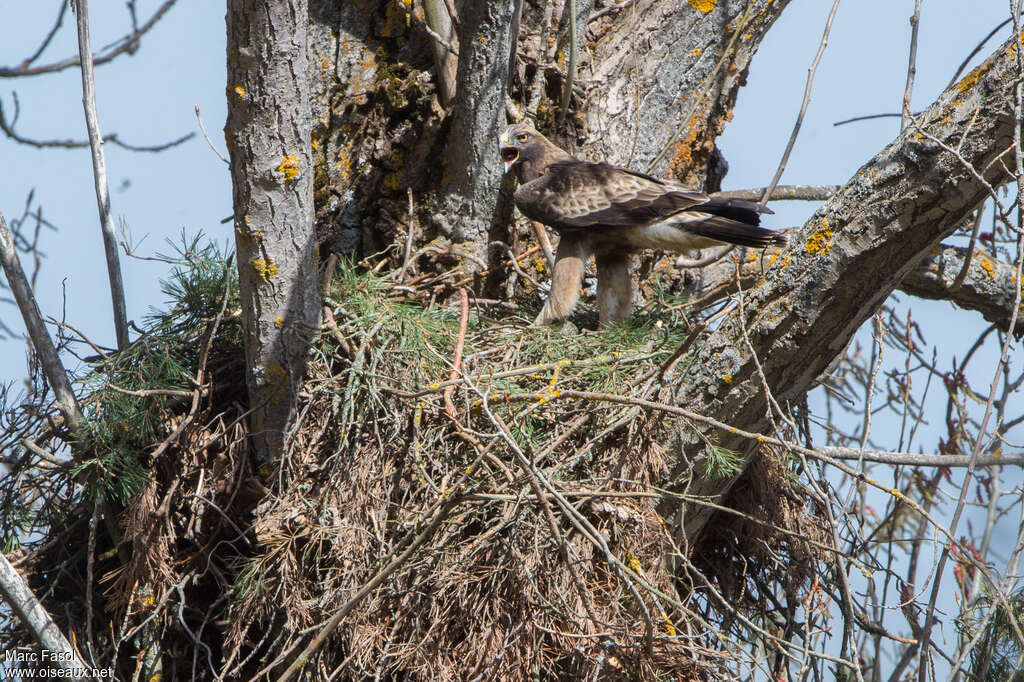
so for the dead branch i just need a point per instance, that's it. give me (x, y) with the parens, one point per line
(99, 168)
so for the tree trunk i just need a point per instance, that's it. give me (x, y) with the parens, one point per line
(268, 136)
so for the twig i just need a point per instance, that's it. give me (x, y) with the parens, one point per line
(570, 74)
(7, 127)
(49, 36)
(460, 341)
(868, 117)
(803, 106)
(608, 10)
(976, 50)
(545, 244)
(127, 44)
(56, 375)
(714, 256)
(958, 281)
(372, 584)
(207, 137)
(915, 20)
(99, 167)
(683, 347)
(407, 254)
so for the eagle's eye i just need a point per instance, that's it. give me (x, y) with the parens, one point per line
(522, 137)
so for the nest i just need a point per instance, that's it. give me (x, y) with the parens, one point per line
(478, 498)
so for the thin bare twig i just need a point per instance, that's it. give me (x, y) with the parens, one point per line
(207, 137)
(783, 193)
(99, 167)
(460, 341)
(128, 43)
(570, 72)
(7, 127)
(915, 20)
(803, 106)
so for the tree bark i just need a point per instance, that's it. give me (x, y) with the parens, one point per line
(468, 208)
(30, 611)
(843, 264)
(662, 82)
(268, 134)
(987, 287)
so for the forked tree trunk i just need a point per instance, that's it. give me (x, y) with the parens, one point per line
(268, 136)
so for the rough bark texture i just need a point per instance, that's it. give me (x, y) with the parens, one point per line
(268, 136)
(848, 258)
(662, 79)
(471, 184)
(988, 286)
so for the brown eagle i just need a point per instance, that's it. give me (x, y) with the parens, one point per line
(610, 212)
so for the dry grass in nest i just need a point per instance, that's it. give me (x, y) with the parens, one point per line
(505, 491)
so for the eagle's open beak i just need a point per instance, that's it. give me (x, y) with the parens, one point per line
(509, 155)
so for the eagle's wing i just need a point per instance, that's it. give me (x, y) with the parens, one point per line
(576, 194)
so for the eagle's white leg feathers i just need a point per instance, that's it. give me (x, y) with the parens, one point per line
(570, 259)
(614, 286)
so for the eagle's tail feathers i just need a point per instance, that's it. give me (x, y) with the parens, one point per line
(735, 232)
(739, 210)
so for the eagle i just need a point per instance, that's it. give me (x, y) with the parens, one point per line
(611, 212)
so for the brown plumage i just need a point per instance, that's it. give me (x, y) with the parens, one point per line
(611, 212)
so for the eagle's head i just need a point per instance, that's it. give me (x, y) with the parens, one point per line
(527, 151)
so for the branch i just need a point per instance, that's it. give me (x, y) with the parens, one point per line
(30, 611)
(988, 286)
(783, 193)
(845, 262)
(99, 167)
(52, 367)
(438, 25)
(127, 44)
(8, 129)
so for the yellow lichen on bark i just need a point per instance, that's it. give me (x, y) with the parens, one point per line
(265, 268)
(289, 167)
(988, 267)
(820, 241)
(704, 6)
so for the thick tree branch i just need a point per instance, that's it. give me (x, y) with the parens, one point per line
(988, 286)
(48, 357)
(670, 114)
(30, 611)
(469, 207)
(843, 264)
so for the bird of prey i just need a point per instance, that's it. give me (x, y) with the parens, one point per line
(610, 213)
